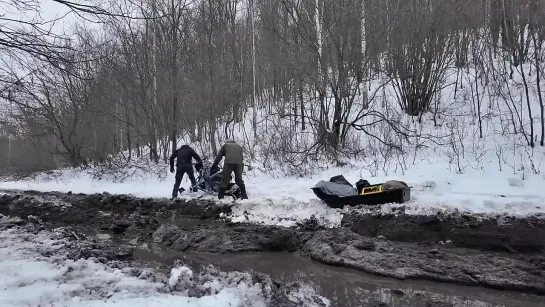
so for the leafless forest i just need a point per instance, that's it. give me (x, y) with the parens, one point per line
(195, 69)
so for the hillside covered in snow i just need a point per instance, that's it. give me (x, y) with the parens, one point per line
(451, 104)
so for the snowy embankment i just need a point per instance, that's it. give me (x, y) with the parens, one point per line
(285, 200)
(37, 271)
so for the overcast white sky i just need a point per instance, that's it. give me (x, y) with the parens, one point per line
(48, 12)
(50, 15)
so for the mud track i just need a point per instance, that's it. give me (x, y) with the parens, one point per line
(77, 245)
(502, 252)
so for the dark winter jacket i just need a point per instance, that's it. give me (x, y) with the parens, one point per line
(232, 153)
(184, 155)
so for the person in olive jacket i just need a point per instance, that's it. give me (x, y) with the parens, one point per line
(232, 152)
(184, 156)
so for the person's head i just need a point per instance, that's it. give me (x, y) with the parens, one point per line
(230, 141)
(180, 144)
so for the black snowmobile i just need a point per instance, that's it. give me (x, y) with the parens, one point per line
(210, 184)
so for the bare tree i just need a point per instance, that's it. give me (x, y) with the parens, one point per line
(317, 75)
(421, 54)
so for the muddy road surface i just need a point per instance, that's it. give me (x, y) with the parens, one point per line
(372, 260)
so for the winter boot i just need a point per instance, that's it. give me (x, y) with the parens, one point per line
(243, 194)
(221, 193)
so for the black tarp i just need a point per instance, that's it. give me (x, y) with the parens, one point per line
(337, 186)
(340, 180)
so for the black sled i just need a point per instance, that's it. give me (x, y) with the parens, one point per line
(338, 192)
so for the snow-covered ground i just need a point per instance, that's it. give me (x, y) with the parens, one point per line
(286, 200)
(31, 279)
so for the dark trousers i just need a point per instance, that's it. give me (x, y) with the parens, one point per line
(229, 168)
(180, 171)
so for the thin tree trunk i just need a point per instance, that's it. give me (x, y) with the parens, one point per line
(479, 108)
(212, 135)
(302, 104)
(529, 106)
(365, 70)
(318, 24)
(128, 131)
(254, 105)
(174, 75)
(537, 51)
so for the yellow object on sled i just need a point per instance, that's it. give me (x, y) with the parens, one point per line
(374, 189)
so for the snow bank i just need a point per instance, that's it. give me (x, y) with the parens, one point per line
(288, 200)
(35, 271)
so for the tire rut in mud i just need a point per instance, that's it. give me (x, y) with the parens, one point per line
(499, 233)
(504, 253)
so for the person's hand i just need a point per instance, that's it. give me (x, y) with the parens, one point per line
(172, 170)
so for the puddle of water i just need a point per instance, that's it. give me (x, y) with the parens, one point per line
(345, 287)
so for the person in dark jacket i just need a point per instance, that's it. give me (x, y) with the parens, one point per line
(233, 163)
(184, 156)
